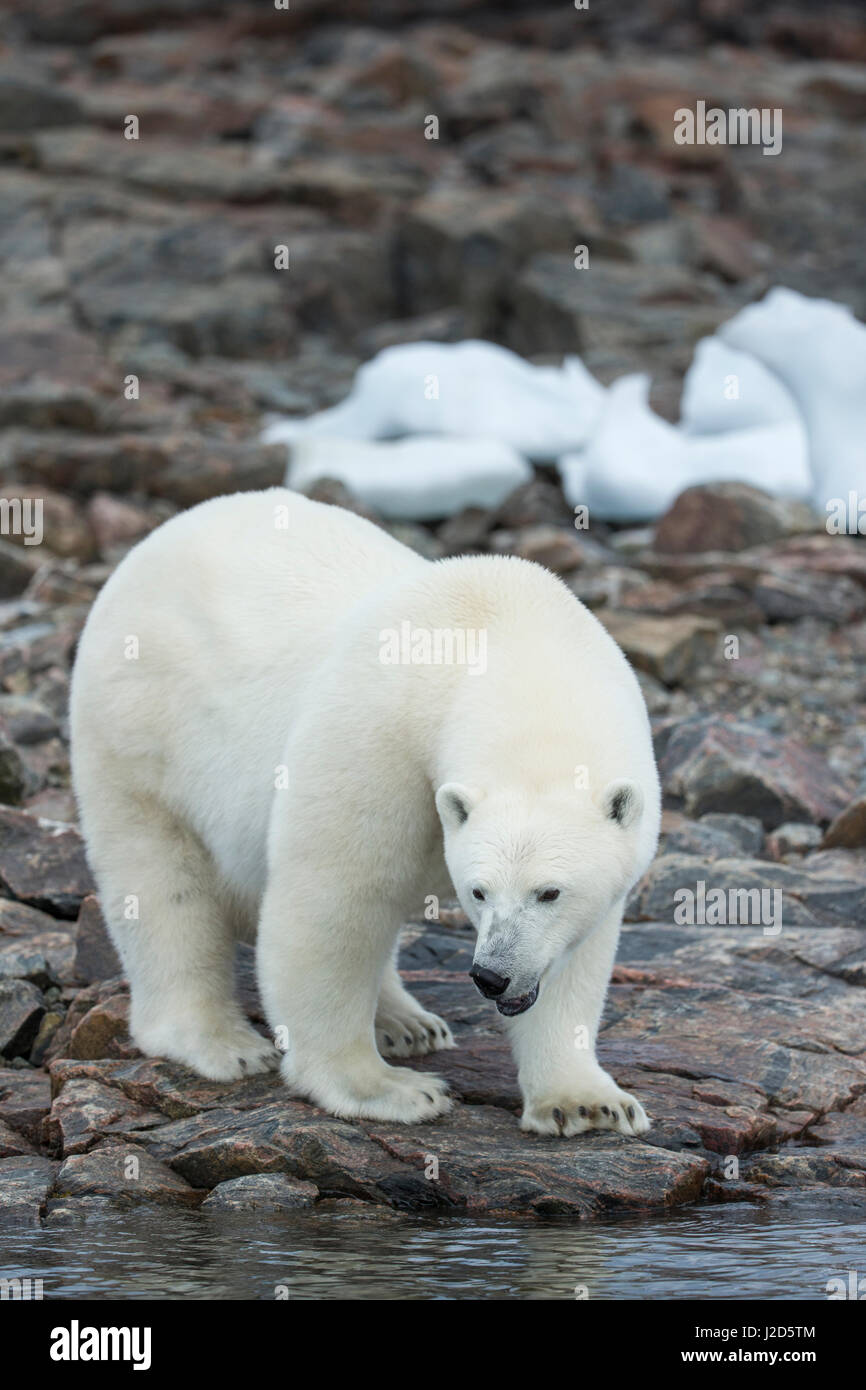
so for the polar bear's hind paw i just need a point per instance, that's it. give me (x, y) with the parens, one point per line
(411, 1034)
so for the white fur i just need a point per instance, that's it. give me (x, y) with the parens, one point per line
(257, 765)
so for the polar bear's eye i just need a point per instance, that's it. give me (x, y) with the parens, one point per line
(477, 893)
(549, 895)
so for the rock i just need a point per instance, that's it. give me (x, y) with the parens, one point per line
(25, 1100)
(712, 837)
(181, 468)
(26, 103)
(746, 831)
(42, 863)
(48, 1027)
(271, 1192)
(848, 829)
(707, 764)
(786, 597)
(21, 1008)
(19, 961)
(17, 568)
(42, 404)
(536, 503)
(793, 838)
(85, 1111)
(103, 1031)
(13, 1144)
(24, 1187)
(95, 956)
(14, 781)
(726, 517)
(555, 547)
(26, 721)
(668, 648)
(714, 596)
(467, 532)
(757, 892)
(801, 1168)
(116, 523)
(617, 313)
(127, 1174)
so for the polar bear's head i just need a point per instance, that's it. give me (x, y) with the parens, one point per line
(536, 874)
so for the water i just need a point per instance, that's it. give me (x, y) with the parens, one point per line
(719, 1252)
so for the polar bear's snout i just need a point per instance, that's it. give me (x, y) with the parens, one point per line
(494, 986)
(490, 984)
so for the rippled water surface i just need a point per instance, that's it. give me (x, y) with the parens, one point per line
(723, 1252)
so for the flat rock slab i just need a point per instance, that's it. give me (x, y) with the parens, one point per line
(268, 1192)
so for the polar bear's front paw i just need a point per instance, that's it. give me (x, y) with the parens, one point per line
(411, 1034)
(599, 1104)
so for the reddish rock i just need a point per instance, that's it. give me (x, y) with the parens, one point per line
(848, 830)
(668, 648)
(117, 523)
(103, 1031)
(708, 764)
(728, 516)
(125, 1173)
(25, 1100)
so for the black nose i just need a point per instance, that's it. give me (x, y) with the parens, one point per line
(490, 984)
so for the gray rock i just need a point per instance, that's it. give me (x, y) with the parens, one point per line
(42, 863)
(272, 1192)
(25, 1183)
(95, 956)
(21, 1008)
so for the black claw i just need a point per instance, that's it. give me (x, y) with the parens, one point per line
(604, 1110)
(581, 1110)
(429, 1097)
(630, 1112)
(559, 1118)
(407, 1038)
(389, 1040)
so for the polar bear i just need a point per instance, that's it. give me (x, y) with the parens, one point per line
(286, 725)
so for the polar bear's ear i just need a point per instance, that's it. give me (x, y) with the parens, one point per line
(622, 802)
(454, 802)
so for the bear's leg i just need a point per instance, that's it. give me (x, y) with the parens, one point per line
(322, 956)
(403, 1028)
(564, 1089)
(158, 888)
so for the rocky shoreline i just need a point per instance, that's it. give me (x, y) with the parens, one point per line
(146, 335)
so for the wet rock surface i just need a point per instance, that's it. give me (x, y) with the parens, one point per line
(147, 331)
